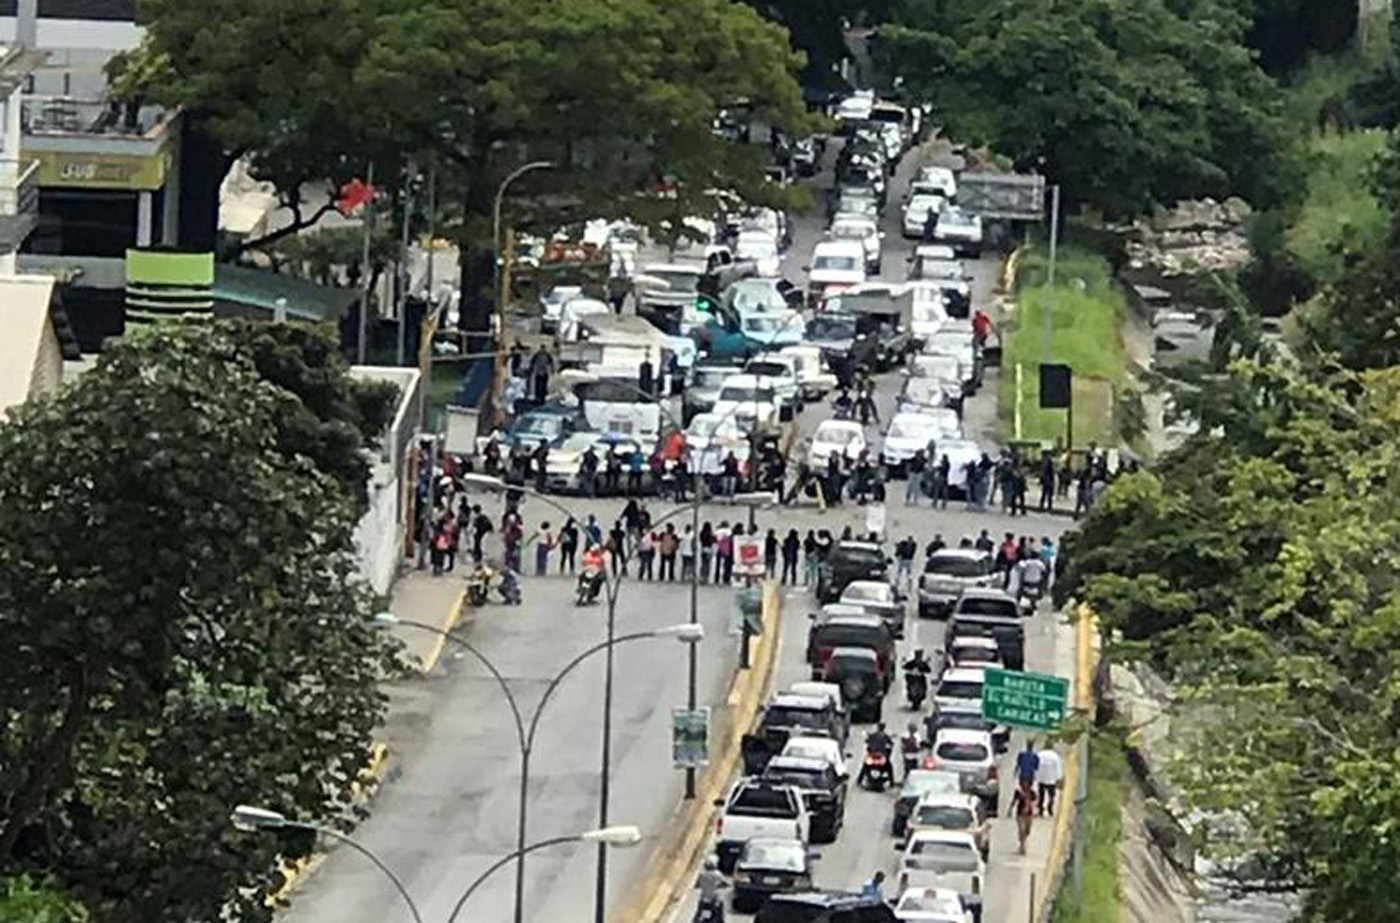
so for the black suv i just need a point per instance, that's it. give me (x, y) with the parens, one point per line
(823, 791)
(846, 562)
(824, 907)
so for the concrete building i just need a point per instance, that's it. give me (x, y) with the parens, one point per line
(31, 349)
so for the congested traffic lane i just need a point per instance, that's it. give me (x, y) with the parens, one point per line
(865, 843)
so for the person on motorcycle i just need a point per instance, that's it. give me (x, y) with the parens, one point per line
(843, 405)
(909, 748)
(877, 742)
(1030, 578)
(710, 882)
(591, 573)
(916, 674)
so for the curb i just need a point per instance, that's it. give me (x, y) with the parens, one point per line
(295, 871)
(688, 831)
(1084, 655)
(454, 615)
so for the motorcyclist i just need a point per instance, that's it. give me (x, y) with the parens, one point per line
(591, 573)
(910, 746)
(877, 742)
(1030, 578)
(916, 674)
(710, 882)
(844, 406)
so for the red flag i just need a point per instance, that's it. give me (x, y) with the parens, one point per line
(353, 195)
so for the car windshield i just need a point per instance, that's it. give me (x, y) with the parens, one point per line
(967, 721)
(784, 856)
(769, 369)
(832, 328)
(844, 635)
(949, 857)
(756, 296)
(851, 665)
(676, 281)
(976, 655)
(869, 593)
(778, 716)
(801, 778)
(851, 231)
(759, 801)
(923, 203)
(910, 429)
(539, 426)
(945, 816)
(955, 567)
(959, 689)
(709, 378)
(924, 781)
(610, 392)
(836, 435)
(963, 752)
(756, 247)
(857, 557)
(979, 606)
(836, 263)
(762, 324)
(736, 394)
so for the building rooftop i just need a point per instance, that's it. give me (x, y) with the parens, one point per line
(104, 10)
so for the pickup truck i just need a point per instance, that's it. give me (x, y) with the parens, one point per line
(755, 809)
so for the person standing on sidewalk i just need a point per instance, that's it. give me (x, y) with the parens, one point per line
(1048, 776)
(914, 479)
(724, 554)
(1027, 762)
(811, 557)
(668, 544)
(688, 545)
(1023, 809)
(646, 553)
(904, 552)
(707, 551)
(770, 554)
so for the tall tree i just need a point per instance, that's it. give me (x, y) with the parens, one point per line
(185, 631)
(1124, 103)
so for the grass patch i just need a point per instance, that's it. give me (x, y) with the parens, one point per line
(1340, 207)
(1093, 897)
(1085, 311)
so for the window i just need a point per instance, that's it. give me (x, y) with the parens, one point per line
(757, 801)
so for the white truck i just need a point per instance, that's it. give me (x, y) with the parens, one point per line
(755, 809)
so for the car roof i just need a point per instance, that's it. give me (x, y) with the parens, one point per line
(948, 799)
(816, 688)
(962, 736)
(857, 544)
(843, 425)
(747, 379)
(977, 592)
(840, 609)
(963, 675)
(824, 898)
(863, 621)
(807, 740)
(942, 836)
(975, 641)
(797, 700)
(854, 653)
(841, 247)
(961, 554)
(808, 763)
(918, 419)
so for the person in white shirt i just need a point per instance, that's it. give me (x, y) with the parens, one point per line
(1048, 775)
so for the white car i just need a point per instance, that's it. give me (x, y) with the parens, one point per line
(818, 748)
(941, 179)
(836, 265)
(961, 453)
(836, 437)
(782, 371)
(943, 859)
(961, 813)
(974, 653)
(932, 905)
(972, 755)
(812, 373)
(960, 230)
(918, 431)
(959, 690)
(916, 212)
(862, 229)
(760, 248)
(553, 303)
(755, 296)
(773, 331)
(937, 269)
(572, 313)
(921, 395)
(751, 400)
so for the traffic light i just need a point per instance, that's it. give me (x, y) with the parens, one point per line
(706, 304)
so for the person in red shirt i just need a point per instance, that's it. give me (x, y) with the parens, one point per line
(981, 327)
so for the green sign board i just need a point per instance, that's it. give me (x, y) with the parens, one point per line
(1028, 700)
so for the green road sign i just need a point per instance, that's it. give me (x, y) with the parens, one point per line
(1028, 700)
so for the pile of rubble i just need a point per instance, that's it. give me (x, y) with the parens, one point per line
(1202, 234)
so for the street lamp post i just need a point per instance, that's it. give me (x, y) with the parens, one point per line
(612, 586)
(498, 288)
(685, 633)
(249, 819)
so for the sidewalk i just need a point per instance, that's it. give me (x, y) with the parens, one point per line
(420, 597)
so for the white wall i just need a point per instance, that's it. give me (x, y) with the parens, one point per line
(107, 35)
(379, 537)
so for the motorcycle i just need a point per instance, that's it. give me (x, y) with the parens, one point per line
(590, 584)
(909, 748)
(711, 911)
(916, 688)
(876, 774)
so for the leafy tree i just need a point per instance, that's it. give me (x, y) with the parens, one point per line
(185, 630)
(22, 901)
(1285, 32)
(1124, 103)
(1253, 566)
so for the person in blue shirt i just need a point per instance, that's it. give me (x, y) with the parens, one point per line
(1027, 762)
(875, 887)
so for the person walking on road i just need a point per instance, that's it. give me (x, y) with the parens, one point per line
(1048, 776)
(791, 546)
(904, 552)
(874, 887)
(1027, 762)
(811, 557)
(914, 479)
(544, 544)
(1047, 482)
(1023, 808)
(568, 546)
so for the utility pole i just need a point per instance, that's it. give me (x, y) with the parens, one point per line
(406, 270)
(368, 220)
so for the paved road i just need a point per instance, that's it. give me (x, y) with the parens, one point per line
(451, 808)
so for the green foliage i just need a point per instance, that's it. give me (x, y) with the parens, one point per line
(22, 901)
(1341, 208)
(1085, 311)
(1124, 103)
(1286, 32)
(1109, 785)
(1253, 566)
(185, 628)
(620, 94)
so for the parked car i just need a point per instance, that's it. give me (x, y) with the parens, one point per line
(754, 810)
(846, 562)
(863, 229)
(917, 431)
(960, 230)
(823, 791)
(876, 597)
(917, 211)
(818, 748)
(947, 573)
(789, 715)
(766, 867)
(943, 859)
